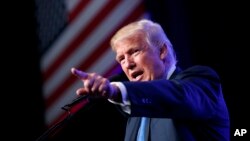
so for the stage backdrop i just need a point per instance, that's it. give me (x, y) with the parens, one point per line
(76, 33)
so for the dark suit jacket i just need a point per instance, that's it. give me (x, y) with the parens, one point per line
(193, 98)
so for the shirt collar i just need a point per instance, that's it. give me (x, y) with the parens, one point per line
(171, 71)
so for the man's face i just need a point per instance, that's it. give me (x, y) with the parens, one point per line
(139, 61)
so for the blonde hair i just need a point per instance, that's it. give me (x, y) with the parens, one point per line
(153, 33)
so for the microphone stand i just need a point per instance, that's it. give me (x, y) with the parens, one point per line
(71, 108)
(52, 130)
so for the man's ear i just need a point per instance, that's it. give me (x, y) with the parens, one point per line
(163, 51)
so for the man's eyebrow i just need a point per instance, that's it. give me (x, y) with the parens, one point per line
(118, 57)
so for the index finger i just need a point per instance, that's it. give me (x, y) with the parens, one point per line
(79, 74)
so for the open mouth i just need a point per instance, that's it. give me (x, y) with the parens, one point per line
(137, 75)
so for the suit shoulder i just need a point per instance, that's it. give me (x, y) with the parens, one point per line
(201, 70)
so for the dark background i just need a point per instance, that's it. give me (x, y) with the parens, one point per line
(210, 33)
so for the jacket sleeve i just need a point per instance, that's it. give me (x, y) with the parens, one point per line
(194, 93)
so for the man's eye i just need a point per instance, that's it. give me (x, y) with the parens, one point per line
(136, 51)
(121, 59)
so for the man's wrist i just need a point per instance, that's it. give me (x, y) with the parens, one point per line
(116, 93)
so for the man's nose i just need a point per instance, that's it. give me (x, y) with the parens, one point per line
(129, 63)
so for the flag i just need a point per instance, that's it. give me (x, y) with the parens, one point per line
(76, 33)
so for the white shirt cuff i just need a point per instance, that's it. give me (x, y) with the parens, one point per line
(125, 105)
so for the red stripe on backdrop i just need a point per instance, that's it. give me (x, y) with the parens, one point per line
(79, 39)
(81, 5)
(103, 46)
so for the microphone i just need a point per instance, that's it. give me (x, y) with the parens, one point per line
(76, 101)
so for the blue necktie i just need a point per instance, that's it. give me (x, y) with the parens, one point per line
(143, 130)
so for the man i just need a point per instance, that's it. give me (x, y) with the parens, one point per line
(173, 104)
